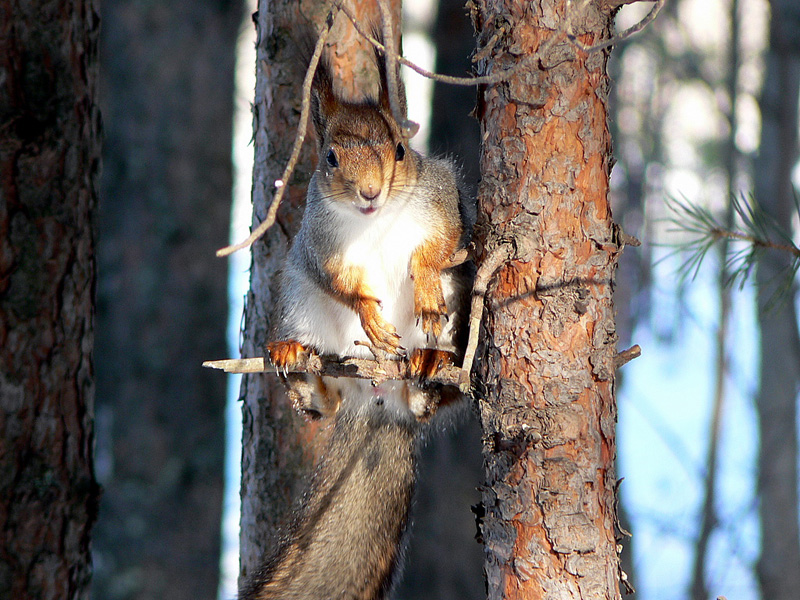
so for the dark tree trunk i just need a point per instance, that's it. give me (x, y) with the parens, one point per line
(546, 369)
(49, 162)
(168, 75)
(779, 565)
(444, 559)
(454, 129)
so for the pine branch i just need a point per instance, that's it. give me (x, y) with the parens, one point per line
(758, 231)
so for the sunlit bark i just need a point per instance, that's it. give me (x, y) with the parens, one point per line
(546, 369)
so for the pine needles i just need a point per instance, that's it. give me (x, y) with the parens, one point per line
(757, 231)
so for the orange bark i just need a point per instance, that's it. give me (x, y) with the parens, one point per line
(546, 366)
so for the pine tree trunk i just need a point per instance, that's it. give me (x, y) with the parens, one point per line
(279, 446)
(778, 567)
(49, 161)
(546, 369)
(168, 81)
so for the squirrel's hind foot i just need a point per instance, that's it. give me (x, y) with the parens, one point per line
(285, 354)
(425, 363)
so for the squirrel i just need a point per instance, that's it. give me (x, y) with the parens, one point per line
(367, 274)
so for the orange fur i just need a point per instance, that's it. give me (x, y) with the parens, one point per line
(347, 284)
(427, 362)
(426, 269)
(285, 353)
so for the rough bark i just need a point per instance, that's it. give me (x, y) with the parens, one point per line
(776, 402)
(278, 445)
(49, 161)
(168, 80)
(546, 367)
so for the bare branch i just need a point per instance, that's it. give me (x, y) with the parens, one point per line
(282, 183)
(612, 4)
(623, 35)
(718, 233)
(331, 366)
(465, 81)
(492, 79)
(459, 258)
(496, 259)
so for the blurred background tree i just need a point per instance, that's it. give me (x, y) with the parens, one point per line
(702, 66)
(167, 76)
(776, 400)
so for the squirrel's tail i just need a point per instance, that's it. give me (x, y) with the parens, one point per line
(346, 540)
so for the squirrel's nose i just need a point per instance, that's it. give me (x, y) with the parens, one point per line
(369, 192)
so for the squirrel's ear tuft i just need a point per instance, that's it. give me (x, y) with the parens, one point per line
(323, 100)
(383, 99)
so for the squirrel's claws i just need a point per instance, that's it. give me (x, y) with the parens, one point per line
(285, 354)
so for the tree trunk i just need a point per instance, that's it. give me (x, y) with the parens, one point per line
(49, 160)
(778, 571)
(168, 75)
(279, 447)
(545, 371)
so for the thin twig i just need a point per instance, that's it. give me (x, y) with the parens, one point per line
(496, 259)
(459, 258)
(331, 366)
(622, 36)
(492, 79)
(464, 81)
(718, 233)
(282, 183)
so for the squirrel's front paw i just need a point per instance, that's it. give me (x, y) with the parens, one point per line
(285, 354)
(382, 334)
(429, 310)
(425, 363)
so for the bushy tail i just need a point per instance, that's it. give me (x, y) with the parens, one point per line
(346, 541)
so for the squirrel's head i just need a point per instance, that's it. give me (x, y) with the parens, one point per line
(364, 160)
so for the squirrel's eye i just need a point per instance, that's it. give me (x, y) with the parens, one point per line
(400, 153)
(333, 162)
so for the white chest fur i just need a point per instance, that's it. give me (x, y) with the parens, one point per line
(382, 245)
